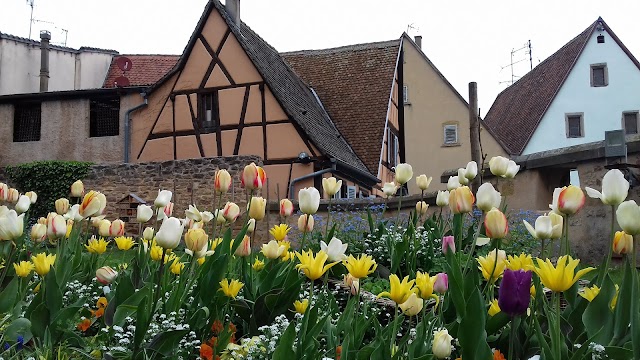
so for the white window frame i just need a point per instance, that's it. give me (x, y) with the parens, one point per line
(352, 191)
(405, 94)
(393, 148)
(444, 134)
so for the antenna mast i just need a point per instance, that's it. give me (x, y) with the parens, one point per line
(30, 3)
(527, 51)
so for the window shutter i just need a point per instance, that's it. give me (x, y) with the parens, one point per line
(631, 123)
(351, 192)
(574, 126)
(451, 134)
(405, 94)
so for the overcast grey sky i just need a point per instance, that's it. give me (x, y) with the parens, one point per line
(467, 40)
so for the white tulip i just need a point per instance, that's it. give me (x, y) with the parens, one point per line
(628, 216)
(488, 197)
(163, 198)
(309, 199)
(11, 225)
(423, 182)
(472, 170)
(404, 173)
(170, 233)
(543, 227)
(462, 176)
(331, 186)
(207, 216)
(512, 169)
(453, 183)
(442, 199)
(22, 206)
(144, 213)
(335, 249)
(389, 189)
(193, 213)
(74, 213)
(498, 165)
(615, 188)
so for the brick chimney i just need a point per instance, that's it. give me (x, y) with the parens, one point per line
(45, 36)
(233, 7)
(418, 40)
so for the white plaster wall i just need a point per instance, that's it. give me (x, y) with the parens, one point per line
(68, 70)
(602, 106)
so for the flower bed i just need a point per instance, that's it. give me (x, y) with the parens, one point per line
(462, 283)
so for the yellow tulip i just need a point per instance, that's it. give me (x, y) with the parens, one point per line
(520, 262)
(301, 306)
(614, 301)
(400, 291)
(257, 208)
(494, 308)
(97, 246)
(492, 265)
(421, 208)
(62, 206)
(562, 276)
(23, 268)
(196, 239)
(201, 260)
(258, 265)
(331, 186)
(42, 263)
(589, 293)
(286, 245)
(404, 173)
(230, 289)
(424, 284)
(360, 267)
(313, 266)
(412, 306)
(423, 182)
(288, 256)
(495, 224)
(461, 200)
(176, 267)
(279, 232)
(124, 243)
(622, 243)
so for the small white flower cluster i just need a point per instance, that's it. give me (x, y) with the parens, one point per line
(270, 334)
(76, 291)
(597, 351)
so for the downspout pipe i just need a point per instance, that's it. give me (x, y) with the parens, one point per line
(127, 126)
(312, 175)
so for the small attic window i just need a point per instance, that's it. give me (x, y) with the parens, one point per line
(600, 39)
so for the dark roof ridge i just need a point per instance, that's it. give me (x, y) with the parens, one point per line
(354, 47)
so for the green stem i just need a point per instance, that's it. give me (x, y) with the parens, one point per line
(399, 206)
(512, 338)
(155, 297)
(473, 245)
(8, 263)
(304, 232)
(394, 334)
(556, 342)
(613, 233)
(326, 229)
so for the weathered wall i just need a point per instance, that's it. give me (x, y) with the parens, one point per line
(64, 134)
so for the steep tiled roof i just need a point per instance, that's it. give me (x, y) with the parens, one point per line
(294, 95)
(145, 70)
(518, 110)
(354, 84)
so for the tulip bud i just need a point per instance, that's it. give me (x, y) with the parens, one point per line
(170, 233)
(23, 204)
(448, 244)
(309, 200)
(286, 208)
(423, 182)
(144, 213)
(462, 178)
(461, 200)
(556, 222)
(628, 216)
(77, 189)
(222, 181)
(231, 212)
(43, 221)
(163, 198)
(38, 233)
(404, 173)
(33, 197)
(453, 182)
(305, 223)
(441, 347)
(116, 228)
(91, 204)
(487, 197)
(471, 171)
(166, 211)
(105, 275)
(104, 229)
(219, 216)
(413, 305)
(245, 247)
(570, 200)
(251, 225)
(253, 177)
(515, 292)
(4, 192)
(62, 206)
(498, 165)
(13, 196)
(257, 208)
(56, 226)
(148, 233)
(622, 243)
(96, 221)
(352, 283)
(196, 239)
(389, 189)
(331, 186)
(495, 224)
(442, 199)
(421, 208)
(441, 285)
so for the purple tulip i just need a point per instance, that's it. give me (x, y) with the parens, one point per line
(442, 283)
(448, 243)
(514, 296)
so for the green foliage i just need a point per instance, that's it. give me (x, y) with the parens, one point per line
(51, 180)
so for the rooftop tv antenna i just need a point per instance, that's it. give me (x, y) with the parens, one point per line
(65, 31)
(412, 26)
(30, 3)
(525, 50)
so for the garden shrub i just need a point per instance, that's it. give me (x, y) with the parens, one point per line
(51, 180)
